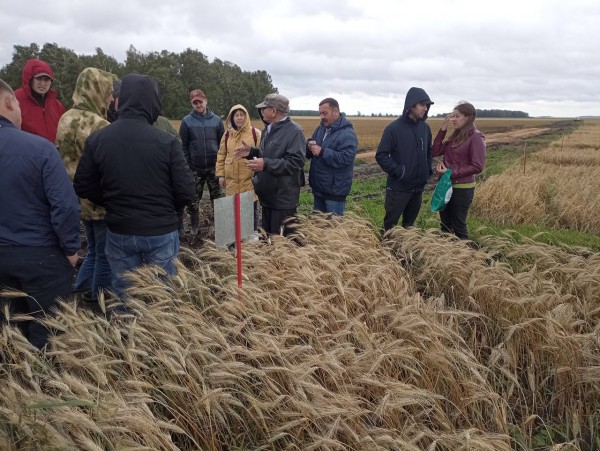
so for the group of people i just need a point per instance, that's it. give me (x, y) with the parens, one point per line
(135, 176)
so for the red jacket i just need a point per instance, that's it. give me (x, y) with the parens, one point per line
(37, 119)
(466, 159)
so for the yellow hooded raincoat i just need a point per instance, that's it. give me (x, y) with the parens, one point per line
(238, 178)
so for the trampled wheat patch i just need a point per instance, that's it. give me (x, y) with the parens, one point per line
(335, 342)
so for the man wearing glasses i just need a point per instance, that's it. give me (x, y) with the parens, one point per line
(201, 132)
(278, 164)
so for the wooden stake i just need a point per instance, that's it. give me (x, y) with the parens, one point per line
(524, 157)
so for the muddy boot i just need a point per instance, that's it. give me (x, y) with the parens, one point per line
(180, 227)
(90, 302)
(195, 217)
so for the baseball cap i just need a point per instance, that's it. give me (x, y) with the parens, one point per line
(44, 74)
(277, 101)
(197, 94)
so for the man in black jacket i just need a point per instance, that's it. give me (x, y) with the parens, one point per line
(404, 153)
(278, 163)
(201, 132)
(138, 173)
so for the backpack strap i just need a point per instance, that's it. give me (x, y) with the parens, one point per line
(254, 136)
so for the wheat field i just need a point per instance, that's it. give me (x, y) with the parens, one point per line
(338, 341)
(558, 186)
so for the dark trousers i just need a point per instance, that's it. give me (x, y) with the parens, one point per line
(202, 177)
(453, 219)
(45, 274)
(401, 203)
(272, 220)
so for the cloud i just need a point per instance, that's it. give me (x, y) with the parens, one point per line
(537, 56)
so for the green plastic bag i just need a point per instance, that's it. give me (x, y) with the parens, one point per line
(443, 192)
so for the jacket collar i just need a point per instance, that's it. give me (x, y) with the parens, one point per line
(5, 122)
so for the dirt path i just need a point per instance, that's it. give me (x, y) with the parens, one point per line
(510, 137)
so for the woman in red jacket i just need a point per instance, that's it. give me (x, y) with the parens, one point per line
(40, 107)
(464, 154)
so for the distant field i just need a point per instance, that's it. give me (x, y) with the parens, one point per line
(369, 129)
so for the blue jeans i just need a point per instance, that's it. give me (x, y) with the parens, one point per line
(95, 273)
(329, 206)
(127, 252)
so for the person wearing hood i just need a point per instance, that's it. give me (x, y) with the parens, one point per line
(139, 174)
(404, 153)
(332, 150)
(464, 154)
(92, 96)
(40, 107)
(201, 132)
(233, 173)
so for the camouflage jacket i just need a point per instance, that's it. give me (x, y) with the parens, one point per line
(90, 103)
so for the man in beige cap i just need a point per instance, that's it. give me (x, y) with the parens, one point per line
(278, 163)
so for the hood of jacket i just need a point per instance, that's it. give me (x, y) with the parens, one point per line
(414, 96)
(139, 98)
(229, 120)
(92, 91)
(342, 122)
(33, 67)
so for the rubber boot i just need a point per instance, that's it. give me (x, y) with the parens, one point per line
(195, 218)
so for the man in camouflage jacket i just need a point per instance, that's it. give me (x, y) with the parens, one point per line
(93, 94)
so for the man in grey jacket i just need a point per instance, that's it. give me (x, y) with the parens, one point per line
(278, 163)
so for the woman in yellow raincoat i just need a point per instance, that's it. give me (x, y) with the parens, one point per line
(234, 175)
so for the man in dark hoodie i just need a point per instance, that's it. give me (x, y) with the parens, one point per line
(404, 153)
(139, 174)
(201, 132)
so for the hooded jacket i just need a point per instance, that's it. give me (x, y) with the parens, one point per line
(404, 151)
(330, 174)
(238, 178)
(135, 170)
(37, 119)
(201, 136)
(465, 159)
(88, 115)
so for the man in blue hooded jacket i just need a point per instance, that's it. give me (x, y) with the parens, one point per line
(332, 150)
(404, 153)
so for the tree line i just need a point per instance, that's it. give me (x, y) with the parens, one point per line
(224, 83)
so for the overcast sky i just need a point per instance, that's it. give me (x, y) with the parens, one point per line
(538, 56)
